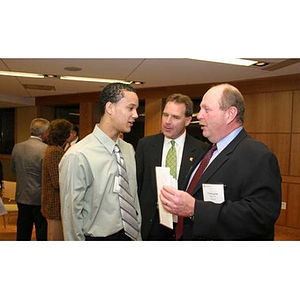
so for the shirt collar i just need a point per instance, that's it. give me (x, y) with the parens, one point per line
(179, 141)
(104, 139)
(36, 137)
(224, 142)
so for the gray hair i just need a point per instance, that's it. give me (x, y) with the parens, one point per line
(38, 126)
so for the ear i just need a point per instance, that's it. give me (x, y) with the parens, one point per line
(232, 113)
(109, 107)
(188, 120)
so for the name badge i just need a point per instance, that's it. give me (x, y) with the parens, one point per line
(116, 185)
(213, 192)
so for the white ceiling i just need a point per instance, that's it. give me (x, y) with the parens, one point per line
(154, 72)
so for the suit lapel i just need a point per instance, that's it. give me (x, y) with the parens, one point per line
(156, 156)
(219, 160)
(187, 160)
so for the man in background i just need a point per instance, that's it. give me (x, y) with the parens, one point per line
(74, 137)
(27, 159)
(153, 150)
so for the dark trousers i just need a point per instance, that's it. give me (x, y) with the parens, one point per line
(119, 236)
(28, 216)
(160, 232)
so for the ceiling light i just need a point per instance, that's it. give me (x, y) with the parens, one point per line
(137, 82)
(261, 64)
(91, 79)
(232, 61)
(21, 74)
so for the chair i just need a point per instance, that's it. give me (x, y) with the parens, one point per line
(8, 195)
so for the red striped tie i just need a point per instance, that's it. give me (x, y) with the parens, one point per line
(195, 179)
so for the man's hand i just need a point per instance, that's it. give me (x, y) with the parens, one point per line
(177, 202)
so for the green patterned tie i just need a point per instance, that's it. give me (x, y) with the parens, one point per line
(171, 160)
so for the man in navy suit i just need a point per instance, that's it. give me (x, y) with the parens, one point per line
(244, 168)
(151, 152)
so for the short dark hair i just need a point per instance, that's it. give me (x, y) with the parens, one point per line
(113, 92)
(59, 131)
(184, 99)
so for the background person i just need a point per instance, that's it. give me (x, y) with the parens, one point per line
(247, 169)
(88, 172)
(59, 132)
(27, 160)
(73, 138)
(152, 151)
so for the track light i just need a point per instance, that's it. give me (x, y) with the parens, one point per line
(232, 61)
(21, 74)
(91, 79)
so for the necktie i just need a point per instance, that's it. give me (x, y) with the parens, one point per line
(128, 212)
(171, 160)
(195, 179)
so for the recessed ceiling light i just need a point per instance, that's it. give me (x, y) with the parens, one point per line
(74, 69)
(260, 64)
(137, 82)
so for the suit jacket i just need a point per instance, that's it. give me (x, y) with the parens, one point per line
(252, 180)
(148, 156)
(27, 159)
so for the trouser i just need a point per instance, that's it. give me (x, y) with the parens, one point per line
(28, 216)
(119, 236)
(160, 232)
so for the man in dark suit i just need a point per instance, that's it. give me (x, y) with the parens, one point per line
(152, 151)
(73, 138)
(27, 160)
(245, 169)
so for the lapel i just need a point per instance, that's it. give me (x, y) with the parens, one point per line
(219, 160)
(187, 160)
(155, 155)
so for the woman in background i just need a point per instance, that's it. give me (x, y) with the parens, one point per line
(59, 132)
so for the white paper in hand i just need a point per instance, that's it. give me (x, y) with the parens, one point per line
(163, 177)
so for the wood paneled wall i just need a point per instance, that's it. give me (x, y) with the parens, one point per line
(273, 118)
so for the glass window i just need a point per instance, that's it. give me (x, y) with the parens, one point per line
(7, 130)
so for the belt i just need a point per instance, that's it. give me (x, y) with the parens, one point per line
(120, 235)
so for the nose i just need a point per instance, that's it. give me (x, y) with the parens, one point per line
(135, 114)
(199, 115)
(168, 119)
